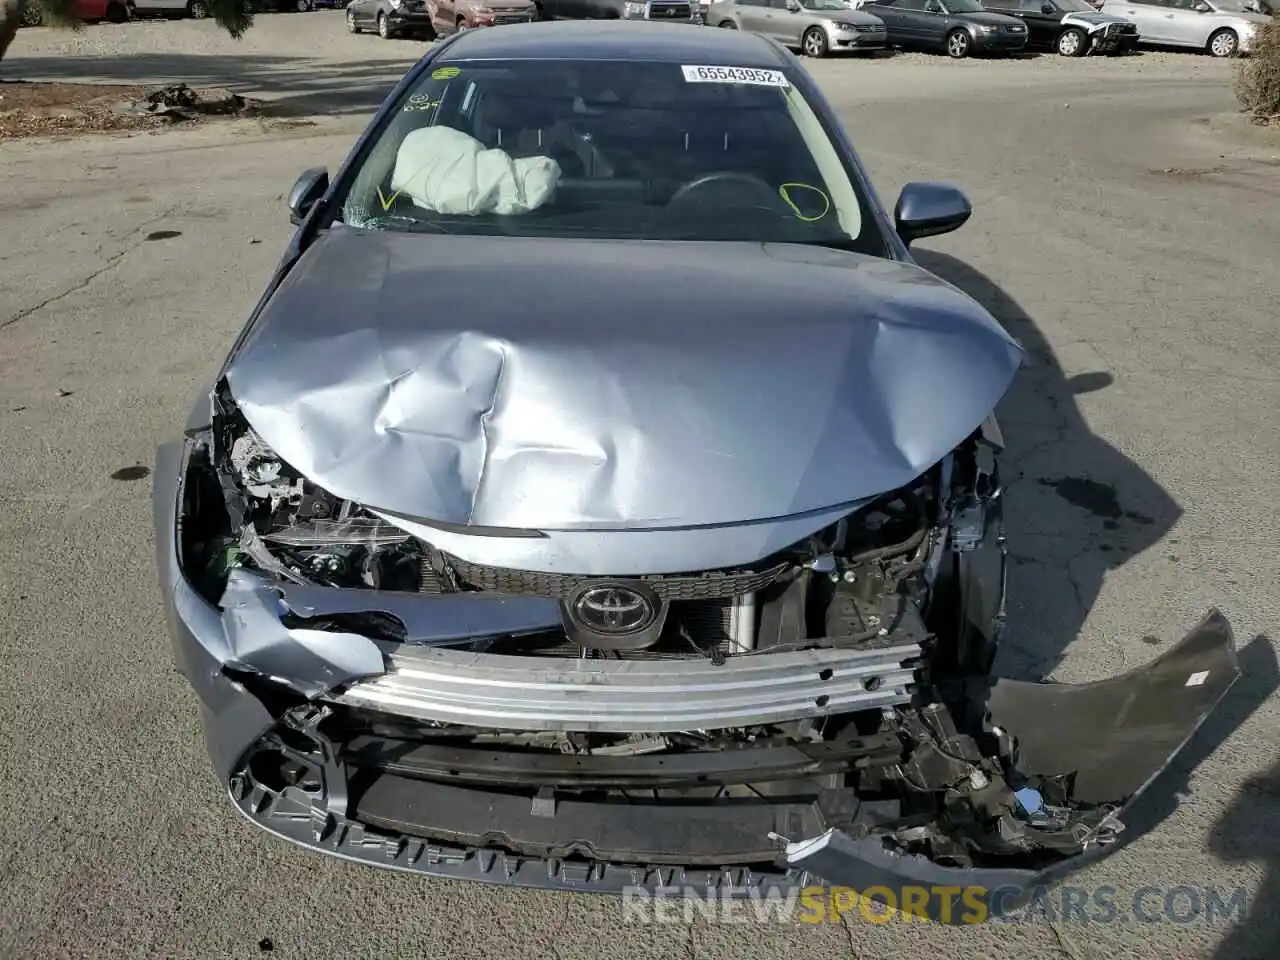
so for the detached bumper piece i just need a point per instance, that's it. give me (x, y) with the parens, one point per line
(1109, 740)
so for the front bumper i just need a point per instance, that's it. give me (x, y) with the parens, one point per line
(1111, 41)
(405, 19)
(999, 42)
(663, 12)
(857, 39)
(366, 798)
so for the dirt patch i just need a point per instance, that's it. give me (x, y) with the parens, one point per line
(29, 109)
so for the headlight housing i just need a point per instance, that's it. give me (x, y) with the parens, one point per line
(633, 9)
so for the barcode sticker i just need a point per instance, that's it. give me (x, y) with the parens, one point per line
(752, 76)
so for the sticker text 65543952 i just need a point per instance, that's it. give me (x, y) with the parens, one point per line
(752, 76)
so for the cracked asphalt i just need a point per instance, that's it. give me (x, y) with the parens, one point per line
(1126, 230)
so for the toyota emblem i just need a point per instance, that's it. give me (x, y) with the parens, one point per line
(614, 609)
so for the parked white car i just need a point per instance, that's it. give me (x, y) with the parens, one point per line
(1222, 27)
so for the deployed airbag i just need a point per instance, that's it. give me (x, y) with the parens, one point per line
(447, 171)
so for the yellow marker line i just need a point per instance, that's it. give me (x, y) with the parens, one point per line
(387, 201)
(784, 192)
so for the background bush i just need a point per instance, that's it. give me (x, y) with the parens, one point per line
(1258, 76)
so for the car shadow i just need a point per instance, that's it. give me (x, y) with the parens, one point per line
(1076, 509)
(1246, 832)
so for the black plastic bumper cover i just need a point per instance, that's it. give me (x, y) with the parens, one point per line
(1118, 734)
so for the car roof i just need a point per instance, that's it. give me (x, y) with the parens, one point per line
(623, 40)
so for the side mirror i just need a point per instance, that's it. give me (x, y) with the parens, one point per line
(307, 189)
(1046, 8)
(793, 6)
(928, 210)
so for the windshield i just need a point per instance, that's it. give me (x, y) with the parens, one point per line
(963, 6)
(610, 149)
(824, 4)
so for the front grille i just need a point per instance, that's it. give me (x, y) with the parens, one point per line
(716, 584)
(868, 28)
(695, 630)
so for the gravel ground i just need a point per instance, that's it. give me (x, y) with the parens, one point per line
(1125, 229)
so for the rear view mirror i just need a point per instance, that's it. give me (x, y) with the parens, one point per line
(307, 189)
(929, 209)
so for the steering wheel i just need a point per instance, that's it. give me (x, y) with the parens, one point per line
(718, 176)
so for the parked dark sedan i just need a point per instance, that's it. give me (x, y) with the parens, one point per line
(960, 27)
(601, 497)
(391, 18)
(1073, 28)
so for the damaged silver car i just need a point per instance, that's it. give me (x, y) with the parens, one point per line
(600, 496)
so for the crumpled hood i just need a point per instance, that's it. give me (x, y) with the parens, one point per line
(599, 384)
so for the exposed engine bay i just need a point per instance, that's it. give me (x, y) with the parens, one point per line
(911, 583)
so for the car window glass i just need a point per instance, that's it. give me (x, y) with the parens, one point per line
(612, 149)
(1030, 6)
(910, 4)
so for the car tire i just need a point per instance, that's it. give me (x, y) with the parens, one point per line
(352, 26)
(198, 9)
(959, 44)
(727, 25)
(303, 6)
(1072, 43)
(814, 43)
(461, 25)
(117, 13)
(1224, 43)
(384, 26)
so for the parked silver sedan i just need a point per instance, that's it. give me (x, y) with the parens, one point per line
(1222, 27)
(816, 27)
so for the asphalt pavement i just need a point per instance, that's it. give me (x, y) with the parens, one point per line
(1126, 229)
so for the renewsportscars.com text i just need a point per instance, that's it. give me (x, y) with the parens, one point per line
(951, 905)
